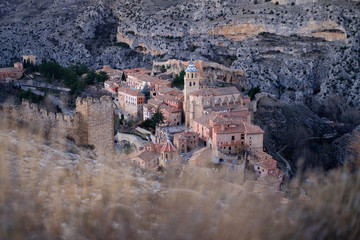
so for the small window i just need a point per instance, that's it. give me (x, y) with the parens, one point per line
(190, 84)
(232, 138)
(194, 83)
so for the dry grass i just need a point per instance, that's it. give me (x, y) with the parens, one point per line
(49, 192)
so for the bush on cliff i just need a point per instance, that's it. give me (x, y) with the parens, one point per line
(179, 80)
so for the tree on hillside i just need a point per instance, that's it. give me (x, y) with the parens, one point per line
(253, 92)
(162, 68)
(79, 69)
(102, 76)
(70, 77)
(179, 80)
(51, 70)
(90, 77)
(157, 118)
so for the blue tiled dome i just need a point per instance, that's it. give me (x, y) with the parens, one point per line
(191, 68)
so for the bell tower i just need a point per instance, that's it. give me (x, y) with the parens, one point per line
(191, 84)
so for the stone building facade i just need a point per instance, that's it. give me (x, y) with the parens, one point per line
(186, 141)
(131, 101)
(140, 81)
(214, 99)
(12, 73)
(148, 157)
(97, 122)
(228, 132)
(170, 103)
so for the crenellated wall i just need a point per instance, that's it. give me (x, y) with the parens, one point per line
(92, 123)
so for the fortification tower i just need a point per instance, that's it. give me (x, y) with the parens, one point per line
(191, 84)
(97, 123)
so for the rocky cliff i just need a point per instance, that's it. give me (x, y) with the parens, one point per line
(291, 49)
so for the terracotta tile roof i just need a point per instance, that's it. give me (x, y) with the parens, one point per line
(143, 77)
(252, 129)
(148, 155)
(224, 91)
(203, 92)
(130, 91)
(228, 108)
(185, 135)
(168, 147)
(266, 161)
(159, 81)
(204, 119)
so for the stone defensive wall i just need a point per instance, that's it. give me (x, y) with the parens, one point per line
(91, 124)
(31, 113)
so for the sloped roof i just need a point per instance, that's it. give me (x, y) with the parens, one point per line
(168, 147)
(202, 92)
(130, 91)
(148, 155)
(191, 68)
(252, 129)
(185, 135)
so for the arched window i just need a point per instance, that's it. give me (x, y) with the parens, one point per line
(194, 83)
(190, 84)
(192, 75)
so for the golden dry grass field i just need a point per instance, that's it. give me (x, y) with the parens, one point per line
(56, 190)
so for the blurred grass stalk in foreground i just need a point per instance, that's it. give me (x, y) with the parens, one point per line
(55, 190)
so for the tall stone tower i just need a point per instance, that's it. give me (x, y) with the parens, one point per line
(96, 126)
(191, 84)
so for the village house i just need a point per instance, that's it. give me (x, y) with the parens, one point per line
(158, 84)
(147, 157)
(172, 116)
(112, 86)
(162, 132)
(114, 74)
(12, 73)
(228, 132)
(131, 101)
(153, 155)
(170, 102)
(264, 165)
(140, 81)
(186, 141)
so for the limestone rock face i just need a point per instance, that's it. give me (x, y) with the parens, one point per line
(289, 48)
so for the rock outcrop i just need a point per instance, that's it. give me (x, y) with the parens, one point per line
(296, 133)
(289, 48)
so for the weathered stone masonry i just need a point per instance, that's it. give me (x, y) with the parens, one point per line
(91, 124)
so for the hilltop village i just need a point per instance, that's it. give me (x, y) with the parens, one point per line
(197, 119)
(201, 126)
